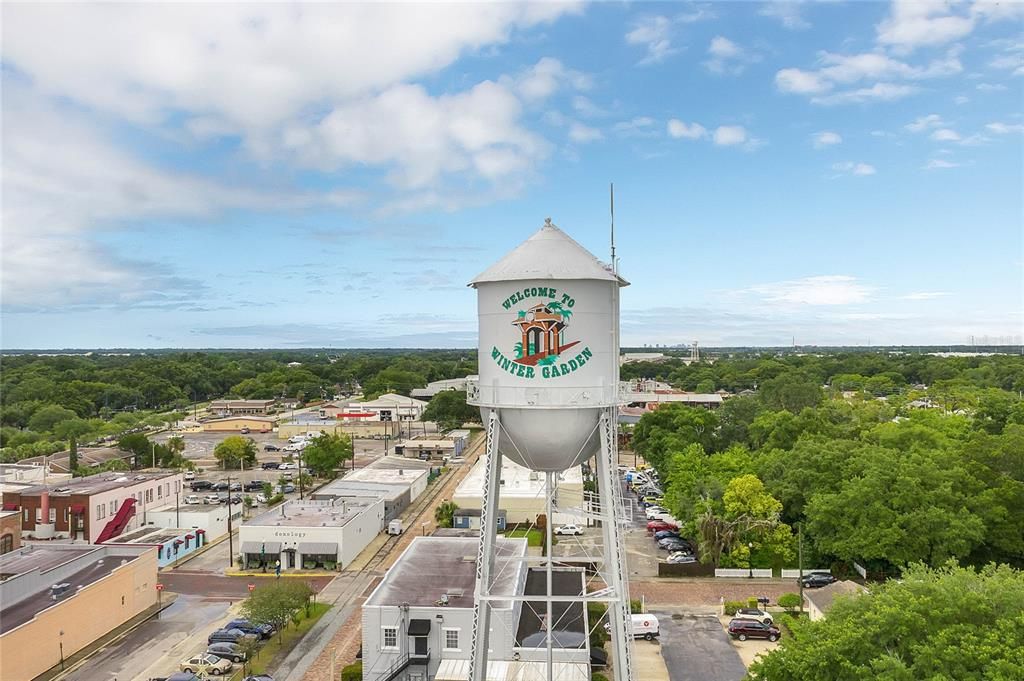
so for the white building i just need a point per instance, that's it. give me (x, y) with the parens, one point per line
(421, 616)
(522, 492)
(392, 407)
(435, 387)
(328, 532)
(398, 487)
(211, 518)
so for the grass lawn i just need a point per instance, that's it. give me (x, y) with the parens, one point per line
(274, 650)
(534, 537)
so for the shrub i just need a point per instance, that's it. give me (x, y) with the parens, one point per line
(309, 564)
(732, 606)
(636, 605)
(352, 672)
(329, 565)
(752, 602)
(598, 676)
(789, 601)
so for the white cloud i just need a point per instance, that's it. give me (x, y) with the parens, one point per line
(583, 133)
(961, 99)
(852, 168)
(940, 164)
(636, 126)
(925, 295)
(923, 123)
(585, 107)
(678, 129)
(1004, 128)
(945, 135)
(730, 135)
(913, 24)
(820, 290)
(728, 57)
(845, 70)
(655, 35)
(543, 79)
(825, 138)
(991, 87)
(787, 12)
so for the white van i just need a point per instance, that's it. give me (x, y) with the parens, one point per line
(643, 625)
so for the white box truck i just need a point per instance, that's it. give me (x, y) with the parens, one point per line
(395, 526)
(643, 625)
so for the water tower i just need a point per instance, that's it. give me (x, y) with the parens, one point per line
(548, 391)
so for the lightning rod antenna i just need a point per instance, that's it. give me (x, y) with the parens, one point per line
(611, 189)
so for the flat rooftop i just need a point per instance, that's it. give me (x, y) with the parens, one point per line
(95, 484)
(517, 480)
(311, 513)
(569, 624)
(192, 508)
(386, 476)
(90, 569)
(434, 566)
(151, 535)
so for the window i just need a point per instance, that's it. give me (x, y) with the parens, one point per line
(159, 491)
(113, 507)
(53, 515)
(6, 543)
(390, 637)
(39, 515)
(25, 513)
(99, 511)
(451, 639)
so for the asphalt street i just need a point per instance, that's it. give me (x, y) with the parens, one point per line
(696, 648)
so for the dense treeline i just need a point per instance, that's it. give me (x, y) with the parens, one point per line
(46, 401)
(930, 471)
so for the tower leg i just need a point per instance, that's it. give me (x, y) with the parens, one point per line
(615, 556)
(485, 557)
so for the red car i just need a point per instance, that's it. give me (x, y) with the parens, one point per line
(658, 525)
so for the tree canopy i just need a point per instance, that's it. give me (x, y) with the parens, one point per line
(326, 453)
(235, 451)
(449, 410)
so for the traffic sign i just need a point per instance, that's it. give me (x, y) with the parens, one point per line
(252, 587)
(159, 587)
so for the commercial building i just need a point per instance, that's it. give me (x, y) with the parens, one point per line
(522, 492)
(238, 424)
(418, 622)
(327, 533)
(435, 387)
(95, 508)
(655, 398)
(212, 519)
(392, 407)
(469, 519)
(10, 531)
(241, 407)
(397, 487)
(56, 599)
(171, 544)
(433, 448)
(356, 428)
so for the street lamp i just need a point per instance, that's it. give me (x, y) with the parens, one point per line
(62, 650)
(750, 559)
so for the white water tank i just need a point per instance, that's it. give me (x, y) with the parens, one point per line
(549, 349)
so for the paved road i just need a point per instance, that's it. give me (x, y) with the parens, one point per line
(696, 648)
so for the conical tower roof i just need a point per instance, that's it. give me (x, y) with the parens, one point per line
(548, 254)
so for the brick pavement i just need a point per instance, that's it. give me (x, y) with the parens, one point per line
(708, 591)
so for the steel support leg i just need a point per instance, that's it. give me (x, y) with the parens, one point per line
(485, 557)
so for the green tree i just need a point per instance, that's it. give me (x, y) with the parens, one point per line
(140, 446)
(942, 624)
(444, 514)
(277, 602)
(449, 410)
(46, 418)
(791, 392)
(235, 451)
(326, 453)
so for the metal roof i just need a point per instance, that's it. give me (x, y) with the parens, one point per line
(549, 254)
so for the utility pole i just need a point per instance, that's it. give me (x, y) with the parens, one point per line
(153, 452)
(800, 561)
(300, 475)
(231, 543)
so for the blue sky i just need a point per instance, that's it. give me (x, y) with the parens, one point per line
(281, 175)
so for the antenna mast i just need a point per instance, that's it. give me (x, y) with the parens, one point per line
(611, 189)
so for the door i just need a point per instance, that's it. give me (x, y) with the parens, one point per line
(291, 559)
(420, 645)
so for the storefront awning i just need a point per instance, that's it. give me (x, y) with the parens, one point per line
(77, 508)
(10, 507)
(257, 547)
(322, 548)
(419, 627)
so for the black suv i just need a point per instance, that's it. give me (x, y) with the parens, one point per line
(744, 629)
(816, 580)
(271, 465)
(198, 485)
(261, 630)
(254, 486)
(230, 636)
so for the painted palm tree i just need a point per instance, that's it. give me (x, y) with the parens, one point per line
(518, 349)
(557, 308)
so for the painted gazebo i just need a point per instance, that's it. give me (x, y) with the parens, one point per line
(542, 334)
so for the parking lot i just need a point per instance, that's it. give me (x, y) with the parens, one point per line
(696, 648)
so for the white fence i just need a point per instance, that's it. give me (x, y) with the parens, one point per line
(795, 574)
(742, 572)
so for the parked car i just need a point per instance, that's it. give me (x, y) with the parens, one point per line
(200, 485)
(661, 534)
(653, 511)
(643, 625)
(681, 557)
(235, 486)
(744, 629)
(176, 676)
(230, 651)
(753, 614)
(192, 499)
(221, 486)
(673, 545)
(206, 663)
(656, 525)
(233, 499)
(569, 529)
(815, 580)
(651, 501)
(253, 486)
(190, 475)
(261, 630)
(287, 488)
(211, 499)
(270, 448)
(271, 465)
(287, 465)
(666, 516)
(259, 677)
(230, 636)
(244, 431)
(261, 498)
